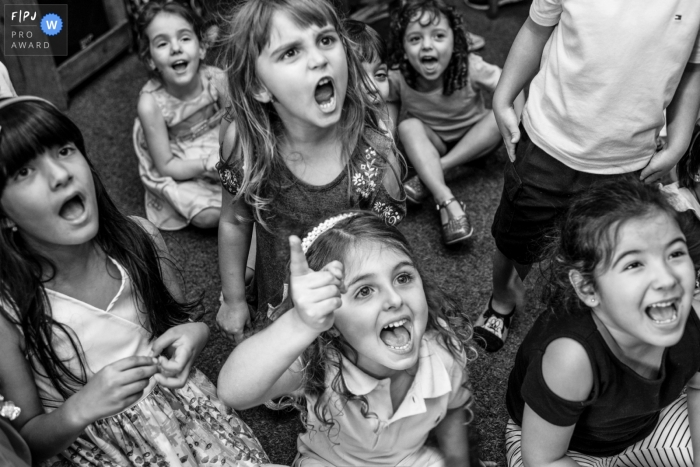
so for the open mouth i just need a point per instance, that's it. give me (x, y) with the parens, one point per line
(72, 208)
(180, 65)
(397, 335)
(325, 94)
(662, 312)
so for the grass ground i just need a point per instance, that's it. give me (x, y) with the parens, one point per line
(105, 109)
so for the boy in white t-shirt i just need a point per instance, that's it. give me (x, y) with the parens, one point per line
(603, 72)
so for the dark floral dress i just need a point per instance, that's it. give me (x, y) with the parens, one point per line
(298, 207)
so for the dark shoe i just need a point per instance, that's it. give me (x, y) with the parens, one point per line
(454, 230)
(416, 192)
(484, 4)
(493, 332)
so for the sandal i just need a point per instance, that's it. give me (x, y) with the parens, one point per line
(415, 190)
(457, 229)
(493, 333)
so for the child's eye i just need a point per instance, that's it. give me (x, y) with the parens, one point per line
(289, 53)
(633, 265)
(328, 40)
(363, 292)
(21, 173)
(678, 254)
(404, 278)
(66, 151)
(412, 40)
(380, 76)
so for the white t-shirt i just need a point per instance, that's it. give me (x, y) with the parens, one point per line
(608, 72)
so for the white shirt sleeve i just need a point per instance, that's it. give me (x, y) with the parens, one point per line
(546, 12)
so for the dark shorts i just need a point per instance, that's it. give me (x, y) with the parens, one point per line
(537, 190)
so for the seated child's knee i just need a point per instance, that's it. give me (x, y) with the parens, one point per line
(409, 126)
(207, 218)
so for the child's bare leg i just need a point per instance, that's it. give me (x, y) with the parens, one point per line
(207, 218)
(423, 148)
(480, 140)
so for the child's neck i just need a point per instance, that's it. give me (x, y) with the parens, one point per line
(425, 85)
(644, 359)
(82, 272)
(313, 156)
(185, 92)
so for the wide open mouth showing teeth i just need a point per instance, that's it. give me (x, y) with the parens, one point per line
(325, 92)
(397, 335)
(73, 208)
(180, 65)
(662, 312)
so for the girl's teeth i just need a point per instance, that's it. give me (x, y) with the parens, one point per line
(328, 105)
(403, 347)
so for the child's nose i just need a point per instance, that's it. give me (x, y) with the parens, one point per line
(664, 277)
(59, 174)
(317, 58)
(392, 299)
(176, 47)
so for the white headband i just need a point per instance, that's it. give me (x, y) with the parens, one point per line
(323, 227)
(14, 100)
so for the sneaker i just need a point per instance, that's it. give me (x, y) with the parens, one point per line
(475, 42)
(491, 330)
(415, 190)
(484, 4)
(454, 229)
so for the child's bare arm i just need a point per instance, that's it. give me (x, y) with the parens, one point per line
(109, 391)
(234, 244)
(259, 368)
(521, 66)
(156, 133)
(681, 115)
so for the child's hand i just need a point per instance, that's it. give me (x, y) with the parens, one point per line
(508, 122)
(659, 165)
(183, 343)
(210, 171)
(114, 388)
(316, 294)
(233, 319)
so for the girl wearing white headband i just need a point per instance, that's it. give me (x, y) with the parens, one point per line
(373, 355)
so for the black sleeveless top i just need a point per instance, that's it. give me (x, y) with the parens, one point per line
(623, 406)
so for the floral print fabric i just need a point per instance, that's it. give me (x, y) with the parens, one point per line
(186, 427)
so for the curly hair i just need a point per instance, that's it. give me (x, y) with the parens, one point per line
(148, 13)
(586, 237)
(455, 76)
(324, 355)
(259, 128)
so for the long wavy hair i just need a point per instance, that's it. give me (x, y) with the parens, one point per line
(148, 13)
(324, 355)
(455, 76)
(586, 238)
(30, 128)
(259, 128)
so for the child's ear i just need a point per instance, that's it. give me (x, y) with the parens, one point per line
(263, 95)
(151, 64)
(202, 50)
(585, 290)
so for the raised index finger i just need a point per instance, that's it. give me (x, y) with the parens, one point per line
(297, 259)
